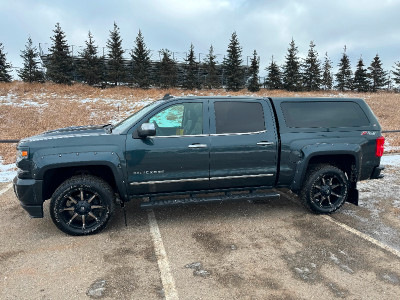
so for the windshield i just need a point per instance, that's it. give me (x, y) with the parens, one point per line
(133, 119)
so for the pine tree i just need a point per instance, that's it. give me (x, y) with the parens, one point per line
(396, 73)
(344, 74)
(30, 72)
(60, 63)
(116, 68)
(311, 75)
(327, 80)
(377, 75)
(232, 65)
(212, 79)
(91, 66)
(191, 70)
(168, 71)
(254, 86)
(141, 65)
(291, 70)
(360, 82)
(4, 66)
(274, 76)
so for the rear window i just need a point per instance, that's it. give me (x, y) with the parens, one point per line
(323, 114)
(238, 117)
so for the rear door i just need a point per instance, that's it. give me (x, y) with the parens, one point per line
(243, 144)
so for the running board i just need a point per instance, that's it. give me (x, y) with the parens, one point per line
(212, 199)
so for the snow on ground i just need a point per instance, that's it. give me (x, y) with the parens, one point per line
(11, 99)
(7, 172)
(391, 160)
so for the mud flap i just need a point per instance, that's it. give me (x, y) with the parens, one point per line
(353, 197)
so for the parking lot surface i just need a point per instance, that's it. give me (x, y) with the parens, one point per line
(274, 250)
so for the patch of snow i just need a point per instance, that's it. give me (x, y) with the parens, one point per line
(7, 172)
(391, 160)
(10, 99)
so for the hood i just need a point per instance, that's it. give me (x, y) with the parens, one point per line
(68, 132)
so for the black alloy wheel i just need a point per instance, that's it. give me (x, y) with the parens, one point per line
(82, 205)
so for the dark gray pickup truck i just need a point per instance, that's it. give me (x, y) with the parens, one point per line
(203, 149)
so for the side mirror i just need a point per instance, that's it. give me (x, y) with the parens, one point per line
(147, 129)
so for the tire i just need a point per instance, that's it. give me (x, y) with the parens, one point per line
(82, 205)
(325, 189)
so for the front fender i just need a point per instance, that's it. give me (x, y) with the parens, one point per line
(44, 163)
(323, 149)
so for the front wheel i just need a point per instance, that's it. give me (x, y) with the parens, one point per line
(82, 205)
(325, 189)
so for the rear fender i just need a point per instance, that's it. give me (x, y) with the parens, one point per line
(325, 150)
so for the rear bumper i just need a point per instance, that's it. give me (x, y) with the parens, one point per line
(376, 173)
(29, 193)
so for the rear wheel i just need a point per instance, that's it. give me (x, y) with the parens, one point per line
(325, 190)
(82, 205)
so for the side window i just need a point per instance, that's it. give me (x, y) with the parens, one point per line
(238, 117)
(179, 119)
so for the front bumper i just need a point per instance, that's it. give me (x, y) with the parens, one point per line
(376, 173)
(29, 193)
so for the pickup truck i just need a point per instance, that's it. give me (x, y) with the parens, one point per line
(203, 149)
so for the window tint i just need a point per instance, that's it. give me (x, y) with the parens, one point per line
(238, 117)
(180, 119)
(323, 114)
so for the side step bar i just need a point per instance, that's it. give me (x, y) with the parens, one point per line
(153, 203)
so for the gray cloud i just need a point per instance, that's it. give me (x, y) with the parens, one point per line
(366, 27)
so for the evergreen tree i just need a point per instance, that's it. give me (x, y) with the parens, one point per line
(312, 70)
(60, 63)
(141, 65)
(91, 66)
(377, 75)
(254, 86)
(168, 71)
(30, 72)
(274, 76)
(116, 68)
(191, 70)
(291, 70)
(327, 80)
(396, 73)
(360, 82)
(4, 66)
(212, 79)
(232, 65)
(344, 74)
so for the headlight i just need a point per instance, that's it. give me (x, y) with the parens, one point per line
(22, 153)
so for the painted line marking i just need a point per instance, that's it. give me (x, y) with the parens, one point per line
(352, 230)
(162, 259)
(6, 189)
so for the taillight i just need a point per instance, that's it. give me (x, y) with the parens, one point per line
(380, 141)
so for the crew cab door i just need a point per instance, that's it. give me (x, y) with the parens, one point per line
(243, 144)
(177, 157)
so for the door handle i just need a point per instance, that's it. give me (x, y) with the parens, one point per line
(263, 143)
(198, 146)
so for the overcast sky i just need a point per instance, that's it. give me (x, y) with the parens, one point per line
(366, 27)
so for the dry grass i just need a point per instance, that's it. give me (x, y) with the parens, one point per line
(61, 105)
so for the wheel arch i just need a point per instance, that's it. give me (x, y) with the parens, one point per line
(54, 176)
(347, 161)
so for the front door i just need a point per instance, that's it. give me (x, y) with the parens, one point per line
(243, 144)
(177, 157)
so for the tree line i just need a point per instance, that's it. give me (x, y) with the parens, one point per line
(296, 74)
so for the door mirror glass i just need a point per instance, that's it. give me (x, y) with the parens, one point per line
(147, 129)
